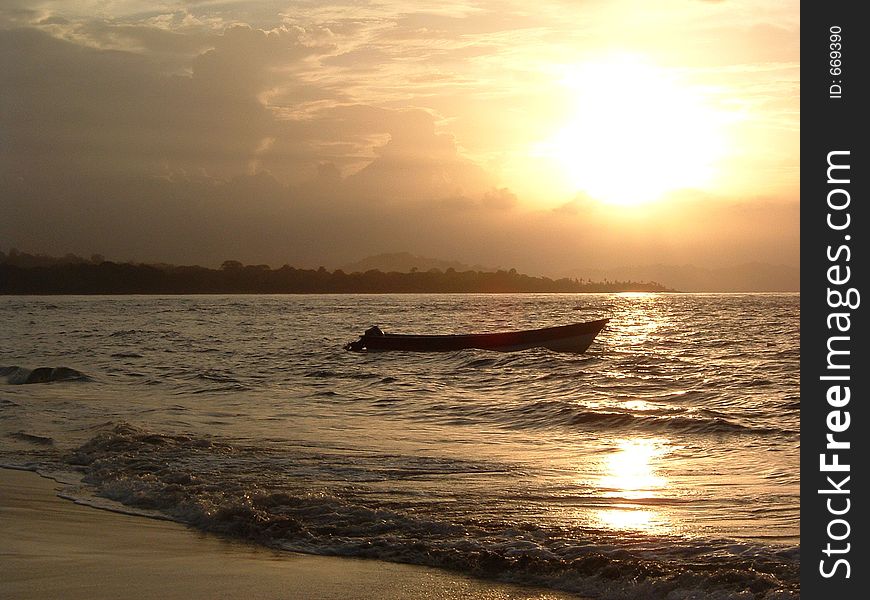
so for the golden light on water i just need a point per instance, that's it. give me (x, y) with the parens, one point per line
(629, 518)
(631, 473)
(637, 318)
(639, 405)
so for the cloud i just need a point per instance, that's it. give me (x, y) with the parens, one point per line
(258, 219)
(84, 109)
(418, 162)
(108, 148)
(499, 199)
(198, 133)
(117, 111)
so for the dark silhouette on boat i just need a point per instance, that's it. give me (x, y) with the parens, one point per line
(574, 338)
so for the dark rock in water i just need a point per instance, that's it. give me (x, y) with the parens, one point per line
(15, 375)
(40, 375)
(20, 375)
(65, 374)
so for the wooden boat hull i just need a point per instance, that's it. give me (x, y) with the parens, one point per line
(574, 338)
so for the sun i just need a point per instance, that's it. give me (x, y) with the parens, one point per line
(638, 132)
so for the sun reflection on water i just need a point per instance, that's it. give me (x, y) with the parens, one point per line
(630, 518)
(637, 317)
(631, 473)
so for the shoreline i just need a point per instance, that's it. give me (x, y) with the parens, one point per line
(53, 547)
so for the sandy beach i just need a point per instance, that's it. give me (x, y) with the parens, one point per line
(54, 548)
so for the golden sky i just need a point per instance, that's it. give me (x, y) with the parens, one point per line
(609, 132)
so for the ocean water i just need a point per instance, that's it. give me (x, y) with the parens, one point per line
(663, 463)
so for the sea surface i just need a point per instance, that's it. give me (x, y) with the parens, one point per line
(661, 464)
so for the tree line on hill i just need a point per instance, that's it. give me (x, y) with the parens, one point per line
(20, 274)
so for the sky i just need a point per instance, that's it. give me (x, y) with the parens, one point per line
(550, 136)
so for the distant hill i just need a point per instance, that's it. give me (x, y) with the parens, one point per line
(405, 262)
(24, 259)
(749, 277)
(233, 277)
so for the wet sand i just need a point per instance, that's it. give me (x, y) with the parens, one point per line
(54, 548)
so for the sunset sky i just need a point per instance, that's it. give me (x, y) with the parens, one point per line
(546, 136)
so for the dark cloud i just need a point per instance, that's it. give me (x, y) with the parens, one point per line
(258, 219)
(107, 149)
(80, 108)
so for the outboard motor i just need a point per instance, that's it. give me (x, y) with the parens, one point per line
(360, 344)
(356, 346)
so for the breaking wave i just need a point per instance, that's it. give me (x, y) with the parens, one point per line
(202, 481)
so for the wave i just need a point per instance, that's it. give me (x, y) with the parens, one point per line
(329, 374)
(216, 376)
(192, 479)
(31, 438)
(21, 375)
(671, 423)
(126, 332)
(544, 414)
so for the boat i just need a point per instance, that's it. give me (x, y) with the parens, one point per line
(574, 338)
